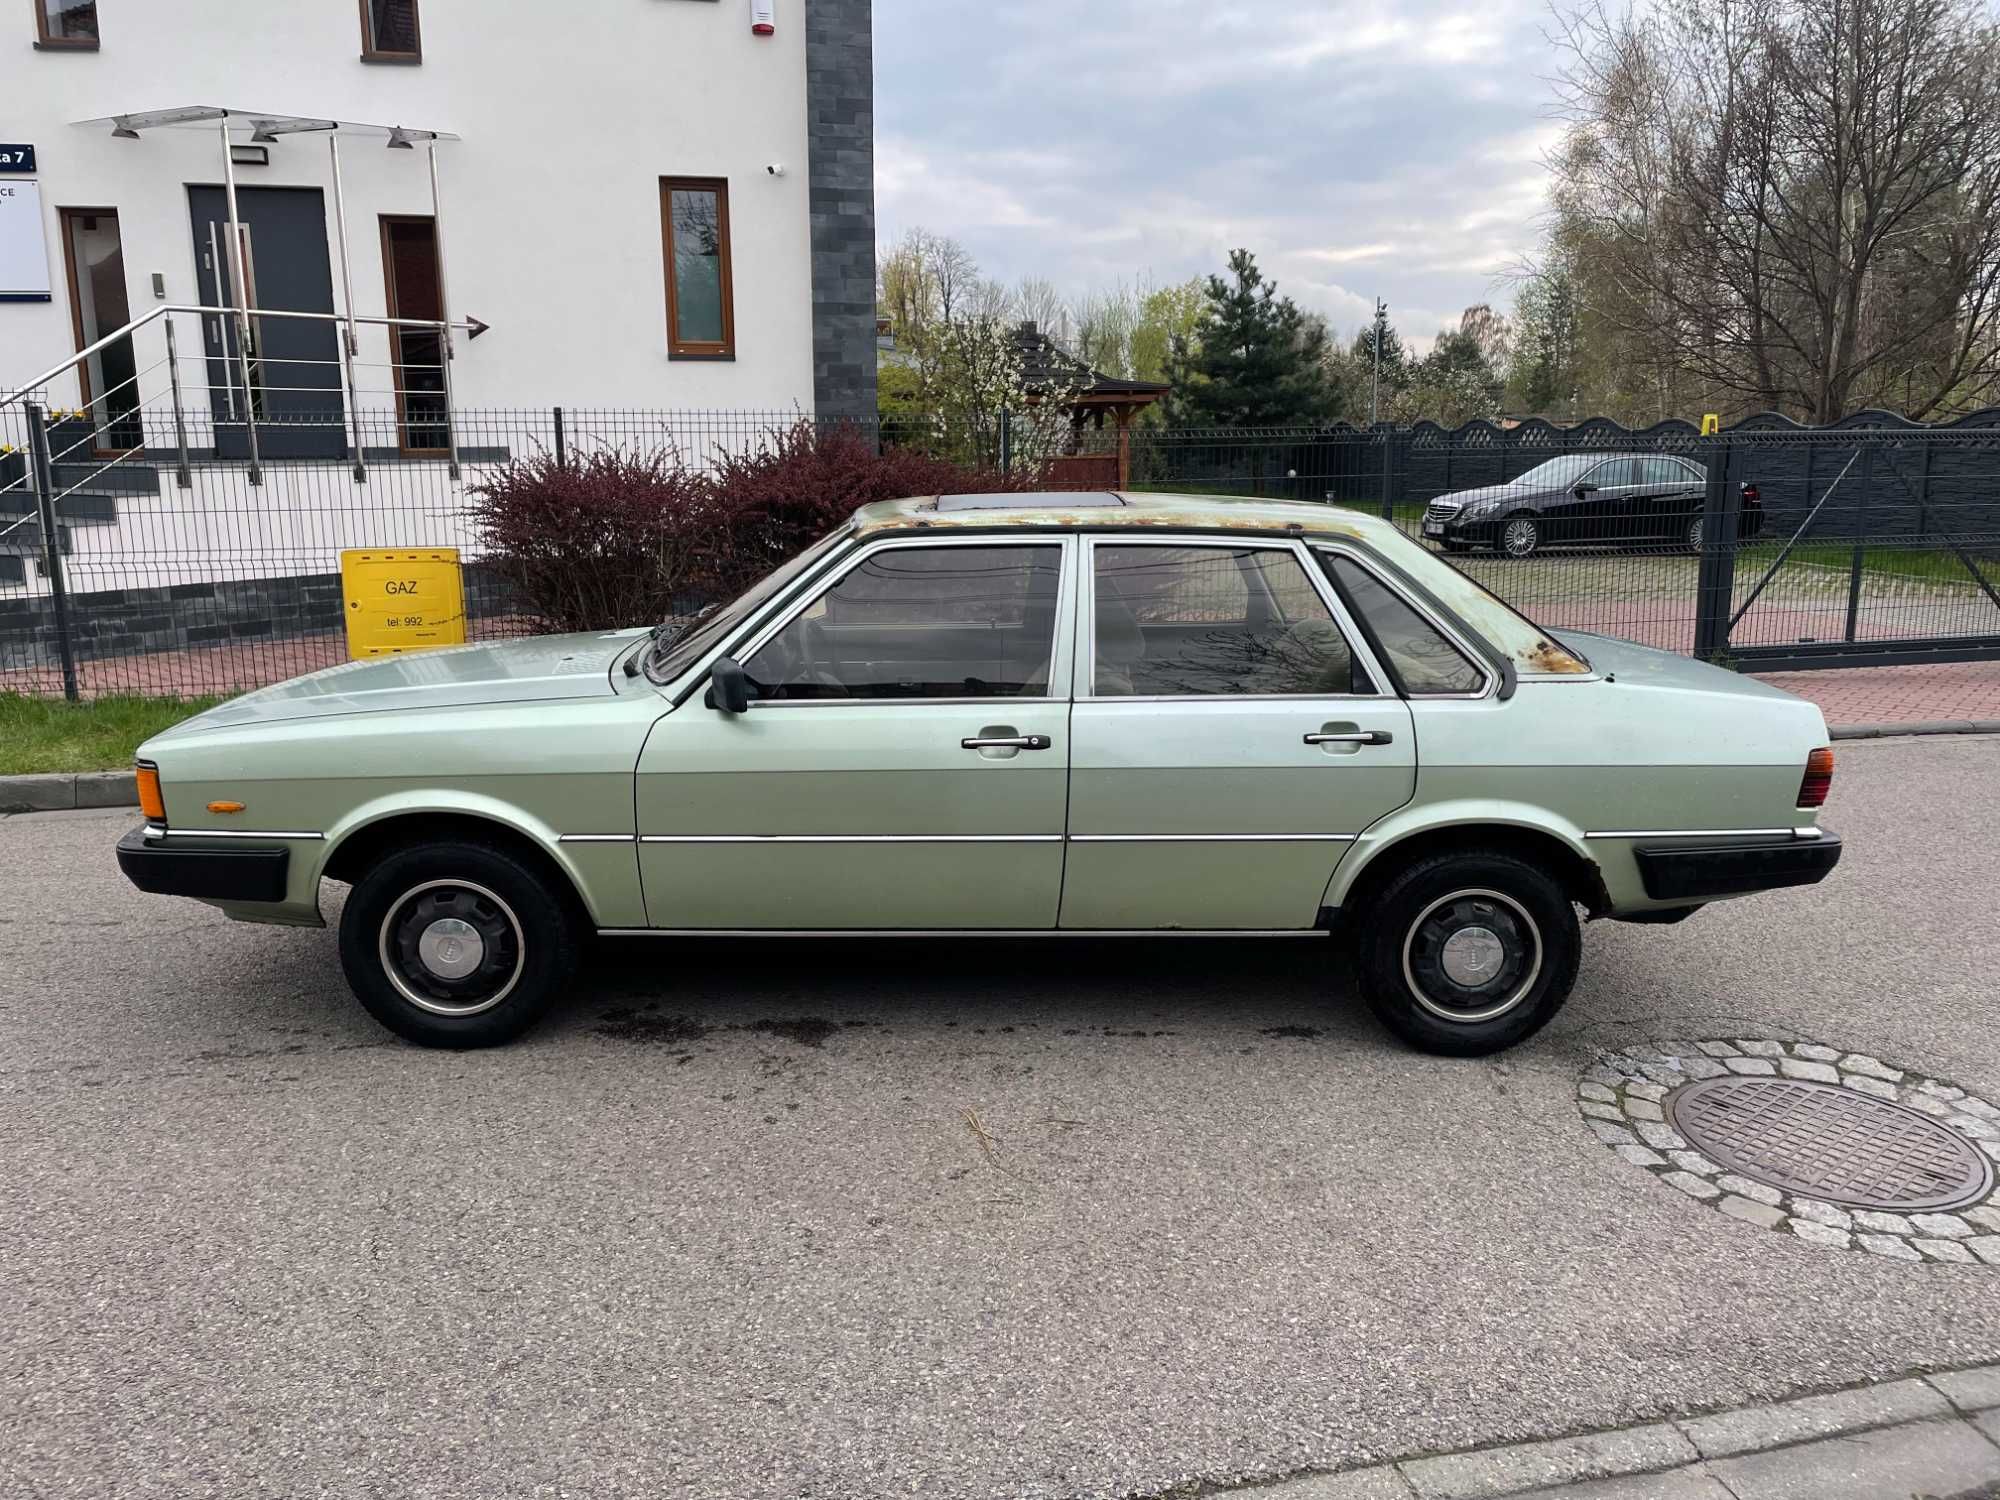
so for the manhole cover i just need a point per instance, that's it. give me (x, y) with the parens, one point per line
(1830, 1143)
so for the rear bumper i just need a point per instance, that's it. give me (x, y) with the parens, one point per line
(1700, 873)
(207, 874)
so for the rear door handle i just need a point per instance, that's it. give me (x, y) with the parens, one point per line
(1353, 737)
(1006, 742)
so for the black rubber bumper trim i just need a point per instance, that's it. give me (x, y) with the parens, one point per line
(206, 874)
(1678, 872)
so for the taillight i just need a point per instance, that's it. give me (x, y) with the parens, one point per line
(1751, 497)
(150, 801)
(1818, 780)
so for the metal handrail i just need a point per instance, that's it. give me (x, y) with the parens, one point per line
(136, 324)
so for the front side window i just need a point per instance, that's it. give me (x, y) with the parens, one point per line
(66, 23)
(1612, 474)
(1415, 650)
(389, 31)
(701, 320)
(1214, 621)
(921, 622)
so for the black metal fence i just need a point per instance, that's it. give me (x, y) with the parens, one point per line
(175, 567)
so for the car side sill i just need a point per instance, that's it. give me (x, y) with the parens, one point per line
(963, 932)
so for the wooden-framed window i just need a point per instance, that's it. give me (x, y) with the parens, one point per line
(66, 23)
(390, 33)
(694, 224)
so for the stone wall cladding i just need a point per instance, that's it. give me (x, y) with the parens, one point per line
(840, 130)
(176, 617)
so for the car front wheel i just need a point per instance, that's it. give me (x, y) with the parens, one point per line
(1467, 953)
(455, 944)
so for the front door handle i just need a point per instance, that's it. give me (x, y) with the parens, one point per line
(1006, 742)
(1353, 737)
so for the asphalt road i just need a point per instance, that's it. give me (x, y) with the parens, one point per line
(728, 1229)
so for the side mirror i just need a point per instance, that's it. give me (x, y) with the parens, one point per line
(728, 688)
(1584, 489)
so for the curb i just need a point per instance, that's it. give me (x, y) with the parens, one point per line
(1921, 726)
(1926, 1421)
(67, 792)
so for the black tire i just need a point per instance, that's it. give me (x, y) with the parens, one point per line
(1519, 536)
(517, 930)
(1530, 941)
(1691, 536)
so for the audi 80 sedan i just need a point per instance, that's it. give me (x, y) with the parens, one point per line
(1020, 714)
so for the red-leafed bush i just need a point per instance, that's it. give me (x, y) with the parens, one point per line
(800, 483)
(599, 542)
(615, 539)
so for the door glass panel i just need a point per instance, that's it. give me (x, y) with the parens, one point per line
(1202, 621)
(97, 273)
(922, 622)
(1612, 475)
(1418, 654)
(1664, 472)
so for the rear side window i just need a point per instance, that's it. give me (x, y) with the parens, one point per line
(1214, 622)
(1667, 471)
(1418, 654)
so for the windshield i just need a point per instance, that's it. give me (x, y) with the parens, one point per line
(1560, 471)
(684, 651)
(1534, 651)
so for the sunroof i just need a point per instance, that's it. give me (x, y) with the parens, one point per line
(1096, 499)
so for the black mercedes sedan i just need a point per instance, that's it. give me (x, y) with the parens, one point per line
(1591, 499)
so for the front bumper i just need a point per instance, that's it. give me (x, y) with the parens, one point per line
(1705, 872)
(208, 874)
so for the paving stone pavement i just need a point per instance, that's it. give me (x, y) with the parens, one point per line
(1934, 1437)
(1963, 692)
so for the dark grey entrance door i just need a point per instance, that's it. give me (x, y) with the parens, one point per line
(294, 383)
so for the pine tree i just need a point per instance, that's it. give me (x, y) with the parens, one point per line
(1256, 360)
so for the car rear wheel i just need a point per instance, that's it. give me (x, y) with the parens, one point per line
(1694, 536)
(457, 944)
(1520, 536)
(1467, 953)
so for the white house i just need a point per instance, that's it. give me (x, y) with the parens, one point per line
(657, 205)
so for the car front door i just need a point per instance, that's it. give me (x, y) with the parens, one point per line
(1595, 515)
(903, 763)
(1231, 735)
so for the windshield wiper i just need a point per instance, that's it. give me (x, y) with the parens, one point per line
(657, 637)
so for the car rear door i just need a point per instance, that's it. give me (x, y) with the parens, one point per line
(903, 763)
(1671, 493)
(1231, 736)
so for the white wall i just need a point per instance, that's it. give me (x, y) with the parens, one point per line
(569, 113)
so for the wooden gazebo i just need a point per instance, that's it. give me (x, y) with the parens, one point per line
(1091, 397)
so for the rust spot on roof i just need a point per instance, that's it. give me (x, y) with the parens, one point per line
(1547, 656)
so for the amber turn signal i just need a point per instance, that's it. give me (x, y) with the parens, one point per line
(1818, 780)
(150, 801)
(225, 807)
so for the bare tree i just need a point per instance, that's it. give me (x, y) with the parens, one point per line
(1794, 202)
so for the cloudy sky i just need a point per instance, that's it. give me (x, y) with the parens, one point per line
(1357, 146)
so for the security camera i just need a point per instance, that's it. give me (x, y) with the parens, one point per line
(776, 169)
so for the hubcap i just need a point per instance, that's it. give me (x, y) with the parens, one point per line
(452, 948)
(1519, 537)
(1472, 956)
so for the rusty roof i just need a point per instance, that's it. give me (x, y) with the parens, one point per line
(1057, 511)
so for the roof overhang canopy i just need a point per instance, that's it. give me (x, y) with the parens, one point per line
(266, 125)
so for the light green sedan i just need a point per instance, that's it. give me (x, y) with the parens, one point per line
(1039, 714)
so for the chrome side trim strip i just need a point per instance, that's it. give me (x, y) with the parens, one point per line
(224, 833)
(595, 838)
(1692, 833)
(965, 932)
(1212, 838)
(851, 838)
